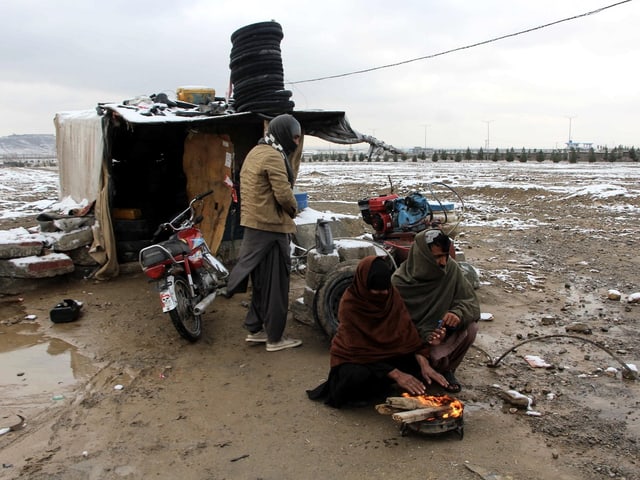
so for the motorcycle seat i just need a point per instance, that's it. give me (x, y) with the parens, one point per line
(152, 256)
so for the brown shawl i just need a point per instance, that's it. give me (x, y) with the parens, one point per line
(429, 291)
(372, 327)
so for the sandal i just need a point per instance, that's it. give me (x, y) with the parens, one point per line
(454, 384)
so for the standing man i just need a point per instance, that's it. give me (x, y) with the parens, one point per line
(442, 304)
(268, 207)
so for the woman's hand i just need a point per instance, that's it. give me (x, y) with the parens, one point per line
(407, 382)
(429, 374)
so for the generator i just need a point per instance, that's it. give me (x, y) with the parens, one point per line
(392, 214)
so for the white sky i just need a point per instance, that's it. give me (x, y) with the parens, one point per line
(525, 91)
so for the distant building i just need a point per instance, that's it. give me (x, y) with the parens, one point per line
(579, 145)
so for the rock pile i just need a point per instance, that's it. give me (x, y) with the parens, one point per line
(29, 257)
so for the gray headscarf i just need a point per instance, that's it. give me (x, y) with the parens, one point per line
(282, 129)
(430, 291)
(280, 135)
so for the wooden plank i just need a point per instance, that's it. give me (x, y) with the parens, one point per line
(207, 162)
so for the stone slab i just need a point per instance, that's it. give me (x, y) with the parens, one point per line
(319, 263)
(66, 241)
(43, 266)
(341, 227)
(80, 256)
(307, 296)
(26, 247)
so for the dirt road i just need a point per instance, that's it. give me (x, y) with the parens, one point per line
(223, 409)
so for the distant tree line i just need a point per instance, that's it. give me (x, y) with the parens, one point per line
(27, 160)
(572, 155)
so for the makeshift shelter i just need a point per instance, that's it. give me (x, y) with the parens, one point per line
(142, 161)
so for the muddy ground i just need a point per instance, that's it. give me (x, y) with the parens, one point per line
(223, 409)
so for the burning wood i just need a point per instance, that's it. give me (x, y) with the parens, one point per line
(407, 409)
(420, 414)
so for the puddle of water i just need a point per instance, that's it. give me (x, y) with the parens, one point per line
(35, 368)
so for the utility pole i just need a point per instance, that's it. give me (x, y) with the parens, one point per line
(488, 122)
(425, 137)
(569, 143)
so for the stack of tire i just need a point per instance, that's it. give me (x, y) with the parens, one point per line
(256, 68)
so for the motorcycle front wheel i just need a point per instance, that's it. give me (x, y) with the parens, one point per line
(187, 324)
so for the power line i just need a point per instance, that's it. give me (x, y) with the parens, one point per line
(366, 70)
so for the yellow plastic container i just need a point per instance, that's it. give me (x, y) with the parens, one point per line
(197, 95)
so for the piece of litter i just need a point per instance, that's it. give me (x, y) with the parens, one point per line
(517, 398)
(484, 473)
(30, 317)
(536, 361)
(614, 295)
(533, 413)
(4, 430)
(57, 397)
(486, 317)
(634, 298)
(118, 387)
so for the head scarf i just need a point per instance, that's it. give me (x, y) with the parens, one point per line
(379, 277)
(372, 327)
(430, 291)
(280, 133)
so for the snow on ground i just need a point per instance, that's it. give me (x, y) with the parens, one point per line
(19, 186)
(608, 188)
(597, 180)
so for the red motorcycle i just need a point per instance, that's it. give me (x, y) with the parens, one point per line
(188, 276)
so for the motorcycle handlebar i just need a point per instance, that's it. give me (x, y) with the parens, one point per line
(171, 224)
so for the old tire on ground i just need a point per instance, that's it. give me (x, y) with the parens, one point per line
(327, 298)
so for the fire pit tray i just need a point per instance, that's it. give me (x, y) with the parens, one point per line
(434, 427)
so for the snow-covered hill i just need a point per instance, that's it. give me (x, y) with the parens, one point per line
(31, 144)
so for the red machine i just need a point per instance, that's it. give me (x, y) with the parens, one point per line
(396, 219)
(377, 212)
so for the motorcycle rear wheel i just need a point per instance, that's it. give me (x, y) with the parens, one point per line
(187, 324)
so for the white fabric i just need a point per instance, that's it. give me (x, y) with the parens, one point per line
(79, 145)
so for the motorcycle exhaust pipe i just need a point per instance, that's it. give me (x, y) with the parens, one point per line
(200, 308)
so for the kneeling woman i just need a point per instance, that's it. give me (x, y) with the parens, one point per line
(376, 343)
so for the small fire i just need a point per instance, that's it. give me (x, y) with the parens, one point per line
(456, 407)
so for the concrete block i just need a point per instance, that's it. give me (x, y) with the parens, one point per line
(314, 279)
(66, 241)
(43, 266)
(348, 227)
(319, 263)
(302, 313)
(80, 256)
(354, 249)
(341, 227)
(308, 296)
(20, 246)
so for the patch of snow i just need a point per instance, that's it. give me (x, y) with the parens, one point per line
(309, 215)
